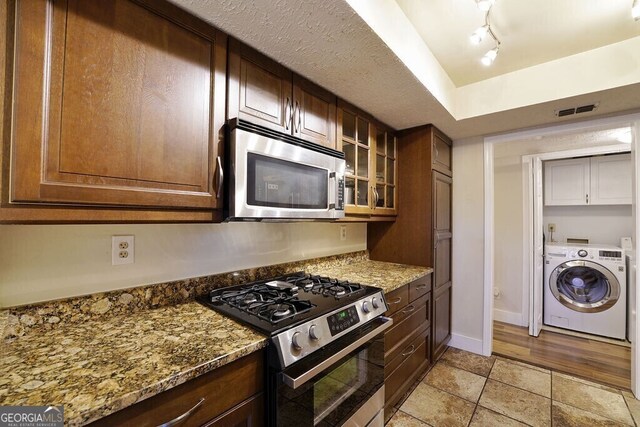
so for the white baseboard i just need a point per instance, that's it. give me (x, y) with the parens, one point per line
(461, 342)
(510, 317)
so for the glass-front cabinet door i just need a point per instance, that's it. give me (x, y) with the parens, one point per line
(356, 144)
(384, 190)
(371, 170)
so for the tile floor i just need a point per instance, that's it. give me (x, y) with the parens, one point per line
(465, 389)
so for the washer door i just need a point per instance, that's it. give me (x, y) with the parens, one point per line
(584, 286)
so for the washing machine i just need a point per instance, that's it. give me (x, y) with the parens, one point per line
(585, 289)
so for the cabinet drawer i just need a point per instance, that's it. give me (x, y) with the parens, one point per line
(249, 413)
(397, 299)
(415, 316)
(221, 390)
(419, 287)
(409, 365)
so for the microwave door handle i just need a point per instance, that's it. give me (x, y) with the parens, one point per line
(333, 195)
(303, 378)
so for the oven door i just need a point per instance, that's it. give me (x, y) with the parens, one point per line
(342, 384)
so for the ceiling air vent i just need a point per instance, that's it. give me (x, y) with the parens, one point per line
(576, 110)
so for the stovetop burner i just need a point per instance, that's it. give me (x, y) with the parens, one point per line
(271, 305)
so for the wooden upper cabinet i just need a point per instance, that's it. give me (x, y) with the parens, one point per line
(260, 89)
(441, 152)
(314, 113)
(268, 94)
(117, 103)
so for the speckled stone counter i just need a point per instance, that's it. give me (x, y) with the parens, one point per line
(100, 353)
(385, 275)
(98, 367)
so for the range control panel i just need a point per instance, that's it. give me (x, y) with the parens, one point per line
(343, 320)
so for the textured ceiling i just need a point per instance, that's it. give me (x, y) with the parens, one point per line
(327, 42)
(531, 31)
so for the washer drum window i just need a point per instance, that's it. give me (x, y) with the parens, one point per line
(584, 286)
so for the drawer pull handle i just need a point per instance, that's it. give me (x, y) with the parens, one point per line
(409, 352)
(184, 416)
(409, 309)
(420, 287)
(396, 301)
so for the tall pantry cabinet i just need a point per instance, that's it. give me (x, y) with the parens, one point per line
(422, 233)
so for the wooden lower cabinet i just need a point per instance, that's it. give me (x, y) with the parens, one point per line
(231, 395)
(441, 319)
(407, 345)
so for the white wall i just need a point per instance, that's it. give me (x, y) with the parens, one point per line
(508, 211)
(600, 224)
(468, 244)
(39, 263)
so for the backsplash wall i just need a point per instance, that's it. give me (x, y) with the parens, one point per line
(40, 263)
(600, 224)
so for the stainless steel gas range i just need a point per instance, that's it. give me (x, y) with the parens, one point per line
(325, 361)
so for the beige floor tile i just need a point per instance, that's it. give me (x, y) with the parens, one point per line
(633, 404)
(471, 362)
(486, 418)
(526, 365)
(583, 381)
(522, 376)
(401, 419)
(515, 403)
(568, 416)
(590, 397)
(456, 381)
(438, 408)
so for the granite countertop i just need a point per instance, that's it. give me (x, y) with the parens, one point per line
(385, 275)
(98, 367)
(101, 353)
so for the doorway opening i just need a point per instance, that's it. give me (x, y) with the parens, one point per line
(525, 223)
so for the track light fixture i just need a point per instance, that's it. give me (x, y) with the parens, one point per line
(635, 10)
(479, 34)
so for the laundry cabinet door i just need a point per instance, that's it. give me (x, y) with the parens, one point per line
(566, 182)
(611, 179)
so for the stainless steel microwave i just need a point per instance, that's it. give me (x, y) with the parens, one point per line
(279, 177)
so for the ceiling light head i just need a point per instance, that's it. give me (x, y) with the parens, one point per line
(635, 10)
(479, 34)
(485, 5)
(490, 56)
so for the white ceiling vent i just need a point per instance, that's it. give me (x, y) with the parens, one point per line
(576, 110)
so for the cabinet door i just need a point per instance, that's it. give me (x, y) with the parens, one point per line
(384, 173)
(442, 233)
(314, 117)
(260, 89)
(611, 180)
(441, 331)
(115, 103)
(566, 182)
(356, 141)
(441, 152)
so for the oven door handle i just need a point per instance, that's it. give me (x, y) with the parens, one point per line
(385, 323)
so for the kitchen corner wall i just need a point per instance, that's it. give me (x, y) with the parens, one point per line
(39, 263)
(468, 244)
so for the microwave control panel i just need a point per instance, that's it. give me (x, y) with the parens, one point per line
(340, 196)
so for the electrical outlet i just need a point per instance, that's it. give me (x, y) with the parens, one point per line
(552, 228)
(343, 232)
(122, 250)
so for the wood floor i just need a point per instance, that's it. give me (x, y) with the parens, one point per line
(593, 360)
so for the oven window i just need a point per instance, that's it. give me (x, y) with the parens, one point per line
(335, 394)
(284, 184)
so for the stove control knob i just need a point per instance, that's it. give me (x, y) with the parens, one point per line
(313, 332)
(375, 303)
(365, 307)
(295, 341)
